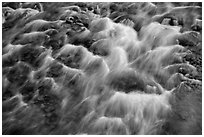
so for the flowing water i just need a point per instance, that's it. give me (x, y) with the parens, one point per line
(122, 84)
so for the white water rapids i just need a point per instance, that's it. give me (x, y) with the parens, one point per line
(122, 84)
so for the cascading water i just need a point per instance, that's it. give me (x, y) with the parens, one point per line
(123, 83)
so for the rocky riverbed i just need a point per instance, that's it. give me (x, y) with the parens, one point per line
(101, 68)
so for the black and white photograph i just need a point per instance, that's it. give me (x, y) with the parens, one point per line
(101, 68)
